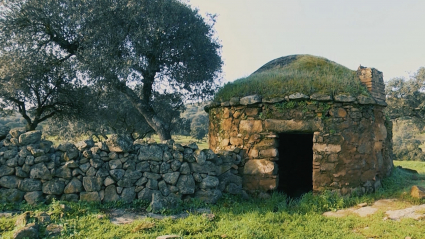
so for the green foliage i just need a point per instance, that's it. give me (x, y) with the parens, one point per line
(306, 74)
(138, 48)
(199, 127)
(408, 139)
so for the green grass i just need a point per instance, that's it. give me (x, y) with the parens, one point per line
(180, 139)
(277, 217)
(417, 165)
(307, 74)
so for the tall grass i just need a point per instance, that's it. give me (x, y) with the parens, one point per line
(307, 75)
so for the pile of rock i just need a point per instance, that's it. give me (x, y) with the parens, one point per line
(118, 169)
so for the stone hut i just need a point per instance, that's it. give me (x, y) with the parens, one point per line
(305, 124)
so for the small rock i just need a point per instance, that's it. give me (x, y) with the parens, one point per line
(417, 192)
(30, 231)
(53, 230)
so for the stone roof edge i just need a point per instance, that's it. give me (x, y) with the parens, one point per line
(256, 99)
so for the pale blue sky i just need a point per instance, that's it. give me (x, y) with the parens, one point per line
(388, 35)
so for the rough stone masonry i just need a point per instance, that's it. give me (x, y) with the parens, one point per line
(352, 139)
(118, 169)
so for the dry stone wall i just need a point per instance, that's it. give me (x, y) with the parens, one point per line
(120, 169)
(352, 146)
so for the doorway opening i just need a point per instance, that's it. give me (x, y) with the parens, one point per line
(295, 164)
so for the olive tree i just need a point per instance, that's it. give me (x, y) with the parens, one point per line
(157, 45)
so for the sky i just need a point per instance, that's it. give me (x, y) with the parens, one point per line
(388, 35)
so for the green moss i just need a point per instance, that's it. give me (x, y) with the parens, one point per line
(301, 73)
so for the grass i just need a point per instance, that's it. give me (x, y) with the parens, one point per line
(306, 74)
(277, 217)
(180, 139)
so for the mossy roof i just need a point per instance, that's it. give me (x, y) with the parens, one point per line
(287, 75)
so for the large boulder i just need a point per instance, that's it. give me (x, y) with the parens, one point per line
(119, 143)
(31, 137)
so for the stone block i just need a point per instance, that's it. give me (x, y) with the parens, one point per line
(92, 183)
(320, 97)
(151, 152)
(327, 148)
(344, 98)
(251, 111)
(298, 96)
(236, 141)
(10, 182)
(74, 186)
(365, 100)
(259, 166)
(30, 185)
(269, 153)
(251, 126)
(292, 125)
(249, 100)
(226, 124)
(54, 187)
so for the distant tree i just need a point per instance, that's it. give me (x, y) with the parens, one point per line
(406, 106)
(155, 44)
(199, 127)
(406, 97)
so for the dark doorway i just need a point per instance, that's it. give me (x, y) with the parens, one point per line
(295, 164)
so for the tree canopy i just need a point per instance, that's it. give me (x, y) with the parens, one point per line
(160, 46)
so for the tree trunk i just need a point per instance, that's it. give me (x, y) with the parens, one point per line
(157, 124)
(30, 126)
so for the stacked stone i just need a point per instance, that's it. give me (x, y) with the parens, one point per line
(374, 81)
(117, 169)
(351, 145)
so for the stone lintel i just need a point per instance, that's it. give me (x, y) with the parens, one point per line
(292, 126)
